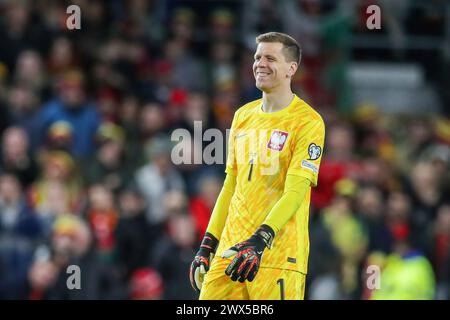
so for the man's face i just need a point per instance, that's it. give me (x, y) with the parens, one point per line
(271, 70)
(72, 95)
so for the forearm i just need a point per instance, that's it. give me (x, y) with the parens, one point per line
(220, 211)
(295, 191)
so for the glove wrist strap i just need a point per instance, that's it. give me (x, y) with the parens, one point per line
(209, 242)
(266, 234)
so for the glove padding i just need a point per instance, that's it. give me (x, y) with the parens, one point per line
(202, 260)
(248, 254)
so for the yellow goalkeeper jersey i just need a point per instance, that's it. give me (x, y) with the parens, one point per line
(263, 149)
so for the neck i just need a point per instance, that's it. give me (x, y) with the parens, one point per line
(276, 101)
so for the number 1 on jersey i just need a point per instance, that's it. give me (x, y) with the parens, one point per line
(281, 283)
(250, 172)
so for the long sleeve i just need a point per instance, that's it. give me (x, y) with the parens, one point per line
(294, 192)
(220, 211)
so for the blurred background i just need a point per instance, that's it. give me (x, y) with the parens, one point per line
(86, 116)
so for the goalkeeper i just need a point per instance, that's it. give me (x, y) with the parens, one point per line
(256, 245)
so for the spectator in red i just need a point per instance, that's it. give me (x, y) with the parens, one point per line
(339, 162)
(103, 216)
(398, 215)
(146, 284)
(440, 241)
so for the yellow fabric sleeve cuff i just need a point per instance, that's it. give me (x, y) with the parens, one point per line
(220, 211)
(295, 189)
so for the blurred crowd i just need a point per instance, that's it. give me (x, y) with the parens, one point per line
(86, 176)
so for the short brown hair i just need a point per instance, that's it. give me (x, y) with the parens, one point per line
(291, 48)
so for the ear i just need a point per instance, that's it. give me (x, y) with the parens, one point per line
(292, 69)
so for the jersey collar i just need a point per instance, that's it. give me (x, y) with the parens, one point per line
(283, 111)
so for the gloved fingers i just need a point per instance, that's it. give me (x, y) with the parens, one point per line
(204, 264)
(253, 269)
(199, 267)
(198, 277)
(234, 276)
(243, 269)
(234, 264)
(193, 276)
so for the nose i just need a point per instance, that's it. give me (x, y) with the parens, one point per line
(261, 63)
